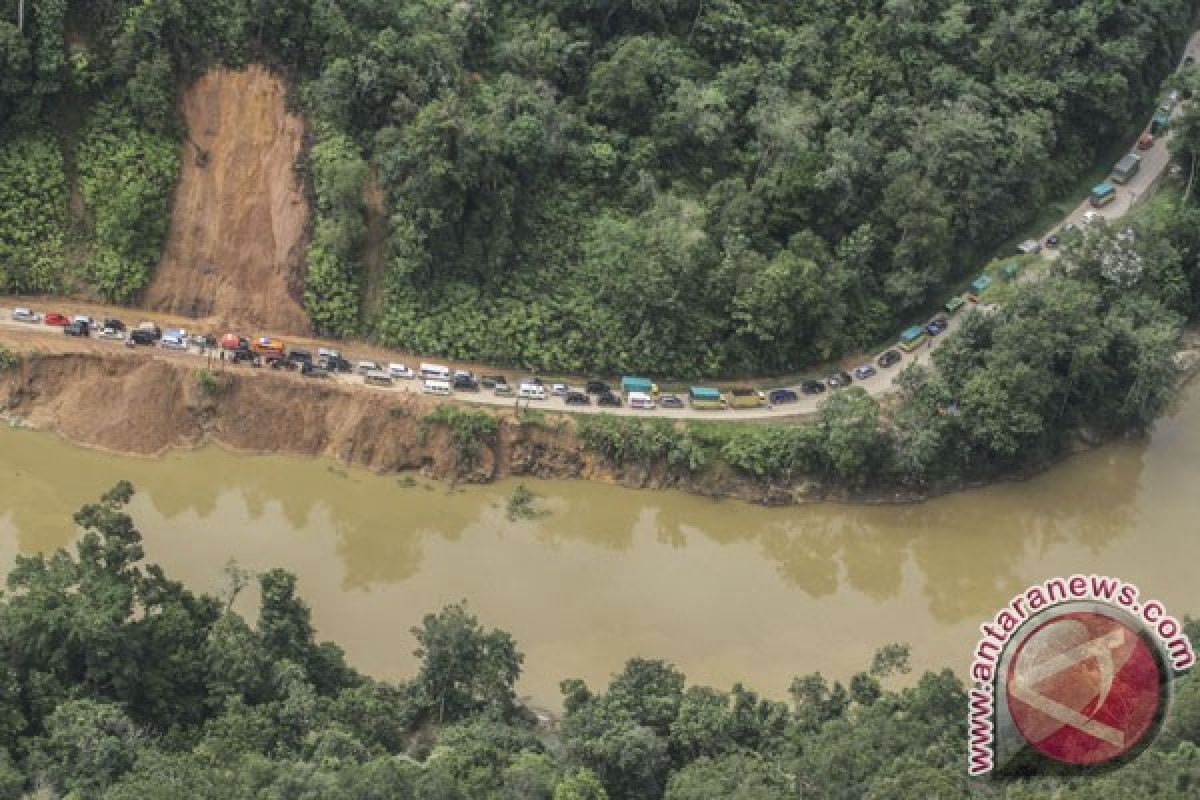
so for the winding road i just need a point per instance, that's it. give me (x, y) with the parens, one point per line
(1154, 162)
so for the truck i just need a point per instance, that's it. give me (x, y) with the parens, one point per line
(913, 338)
(631, 383)
(746, 398)
(1159, 123)
(1102, 194)
(1126, 168)
(704, 398)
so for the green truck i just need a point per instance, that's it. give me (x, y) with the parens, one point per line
(1126, 168)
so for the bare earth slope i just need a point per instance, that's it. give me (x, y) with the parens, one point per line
(235, 249)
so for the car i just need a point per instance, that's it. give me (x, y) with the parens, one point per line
(1029, 247)
(240, 355)
(1145, 141)
(76, 329)
(491, 381)
(889, 358)
(55, 318)
(934, 327)
(503, 390)
(1091, 216)
(864, 371)
(150, 328)
(113, 334)
(311, 371)
(839, 379)
(559, 389)
(86, 320)
(377, 377)
(367, 366)
(1188, 61)
(778, 397)
(1052, 241)
(463, 373)
(298, 358)
(115, 324)
(670, 401)
(597, 387)
(335, 363)
(401, 371)
(465, 382)
(144, 337)
(812, 387)
(25, 315)
(531, 382)
(577, 399)
(609, 399)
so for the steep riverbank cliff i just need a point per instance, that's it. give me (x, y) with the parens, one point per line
(131, 405)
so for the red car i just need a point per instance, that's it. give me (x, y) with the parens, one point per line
(1145, 141)
(55, 318)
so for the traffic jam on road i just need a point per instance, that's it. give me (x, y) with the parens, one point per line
(632, 392)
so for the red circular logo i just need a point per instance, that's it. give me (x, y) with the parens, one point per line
(1083, 688)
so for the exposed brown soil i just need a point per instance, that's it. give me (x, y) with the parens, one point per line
(129, 404)
(236, 245)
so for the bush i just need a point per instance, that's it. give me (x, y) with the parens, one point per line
(469, 429)
(8, 359)
(126, 175)
(33, 215)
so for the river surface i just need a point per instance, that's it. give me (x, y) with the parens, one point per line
(729, 592)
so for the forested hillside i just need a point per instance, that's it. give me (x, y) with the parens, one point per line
(676, 186)
(119, 683)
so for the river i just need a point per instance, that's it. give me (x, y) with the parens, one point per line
(727, 591)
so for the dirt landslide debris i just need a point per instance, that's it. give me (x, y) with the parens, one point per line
(236, 246)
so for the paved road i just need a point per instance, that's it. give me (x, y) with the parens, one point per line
(1154, 161)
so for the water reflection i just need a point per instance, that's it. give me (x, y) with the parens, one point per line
(731, 591)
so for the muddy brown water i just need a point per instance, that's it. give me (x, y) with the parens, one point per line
(727, 591)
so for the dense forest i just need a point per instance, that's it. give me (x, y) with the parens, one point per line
(679, 187)
(119, 683)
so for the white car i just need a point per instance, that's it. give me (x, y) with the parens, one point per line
(559, 389)
(400, 371)
(26, 315)
(367, 366)
(1091, 216)
(112, 333)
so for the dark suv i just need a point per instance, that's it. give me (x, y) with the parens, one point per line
(597, 387)
(143, 336)
(889, 358)
(609, 399)
(76, 329)
(299, 358)
(465, 383)
(115, 324)
(577, 399)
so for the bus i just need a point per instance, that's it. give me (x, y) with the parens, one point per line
(913, 338)
(1103, 194)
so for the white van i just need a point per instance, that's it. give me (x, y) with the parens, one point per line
(640, 400)
(399, 371)
(435, 371)
(532, 391)
(366, 366)
(435, 386)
